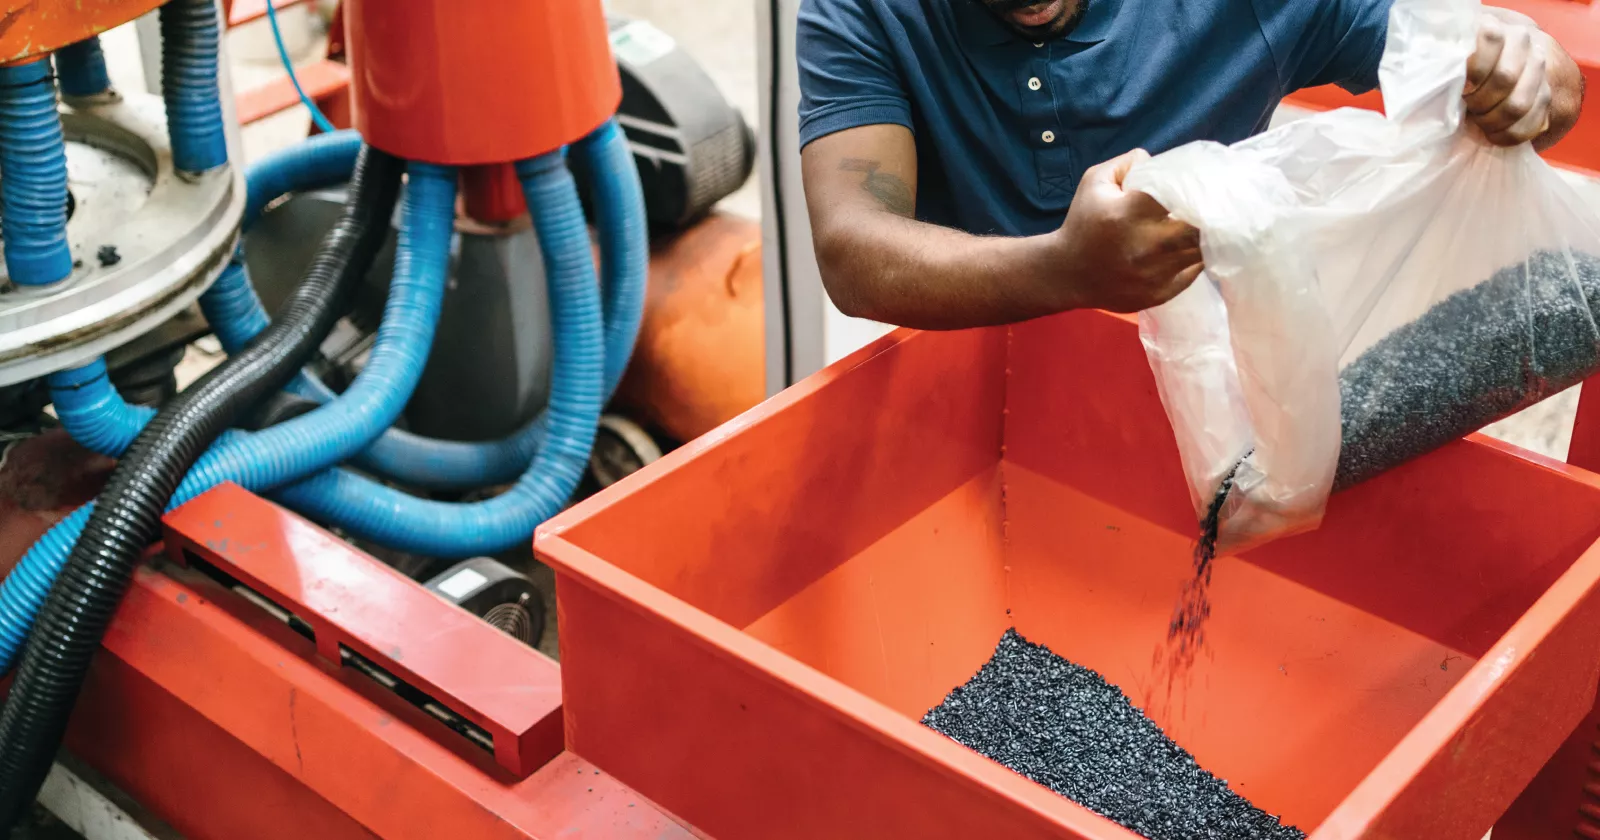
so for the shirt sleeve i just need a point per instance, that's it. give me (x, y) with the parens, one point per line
(1325, 42)
(848, 75)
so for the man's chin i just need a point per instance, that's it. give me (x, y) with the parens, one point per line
(1039, 17)
(1054, 29)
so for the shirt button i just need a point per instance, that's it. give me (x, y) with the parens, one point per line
(1048, 136)
(1034, 83)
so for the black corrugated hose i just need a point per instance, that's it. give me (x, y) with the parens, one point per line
(128, 512)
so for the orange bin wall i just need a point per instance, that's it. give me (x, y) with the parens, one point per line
(752, 627)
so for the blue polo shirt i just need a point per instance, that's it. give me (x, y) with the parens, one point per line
(1005, 128)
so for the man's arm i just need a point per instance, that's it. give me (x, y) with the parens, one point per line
(1521, 85)
(1117, 250)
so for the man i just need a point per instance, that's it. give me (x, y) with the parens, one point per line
(947, 144)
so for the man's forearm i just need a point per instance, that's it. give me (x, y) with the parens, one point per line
(899, 271)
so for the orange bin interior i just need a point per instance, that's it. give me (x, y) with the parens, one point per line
(883, 523)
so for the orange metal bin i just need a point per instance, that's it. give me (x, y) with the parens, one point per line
(752, 626)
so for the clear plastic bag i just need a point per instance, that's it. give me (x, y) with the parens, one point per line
(1375, 287)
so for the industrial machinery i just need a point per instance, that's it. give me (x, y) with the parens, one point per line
(457, 354)
(488, 373)
(120, 227)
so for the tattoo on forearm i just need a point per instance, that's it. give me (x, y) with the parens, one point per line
(890, 190)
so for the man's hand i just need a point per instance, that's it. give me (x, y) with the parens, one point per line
(1122, 249)
(1521, 85)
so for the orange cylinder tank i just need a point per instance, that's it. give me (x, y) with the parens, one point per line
(485, 82)
(700, 359)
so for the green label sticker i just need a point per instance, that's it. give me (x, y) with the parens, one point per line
(638, 43)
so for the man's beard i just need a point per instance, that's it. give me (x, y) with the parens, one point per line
(1066, 20)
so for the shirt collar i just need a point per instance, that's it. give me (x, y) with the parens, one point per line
(981, 27)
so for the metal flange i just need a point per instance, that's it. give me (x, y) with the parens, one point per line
(146, 241)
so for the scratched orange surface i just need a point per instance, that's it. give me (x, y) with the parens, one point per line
(36, 27)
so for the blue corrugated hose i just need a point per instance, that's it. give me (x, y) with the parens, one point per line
(338, 430)
(368, 510)
(33, 176)
(585, 371)
(435, 464)
(95, 414)
(323, 160)
(81, 68)
(295, 448)
(92, 411)
(624, 244)
(232, 308)
(373, 511)
(190, 37)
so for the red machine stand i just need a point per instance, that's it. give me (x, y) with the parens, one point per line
(226, 723)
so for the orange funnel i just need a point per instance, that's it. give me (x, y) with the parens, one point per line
(752, 627)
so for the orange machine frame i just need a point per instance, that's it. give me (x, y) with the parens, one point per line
(226, 724)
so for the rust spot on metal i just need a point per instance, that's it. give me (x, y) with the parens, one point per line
(294, 729)
(31, 30)
(91, 332)
(52, 473)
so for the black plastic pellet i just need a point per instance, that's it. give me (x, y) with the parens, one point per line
(1479, 355)
(1063, 726)
(1186, 632)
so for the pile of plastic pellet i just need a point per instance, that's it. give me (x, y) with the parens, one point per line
(1065, 727)
(1475, 357)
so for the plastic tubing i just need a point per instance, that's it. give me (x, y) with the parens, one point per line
(625, 259)
(382, 514)
(232, 307)
(127, 516)
(320, 119)
(368, 510)
(81, 68)
(322, 160)
(95, 414)
(33, 176)
(338, 430)
(356, 503)
(92, 411)
(190, 38)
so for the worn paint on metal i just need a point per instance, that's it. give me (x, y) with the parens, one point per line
(31, 28)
